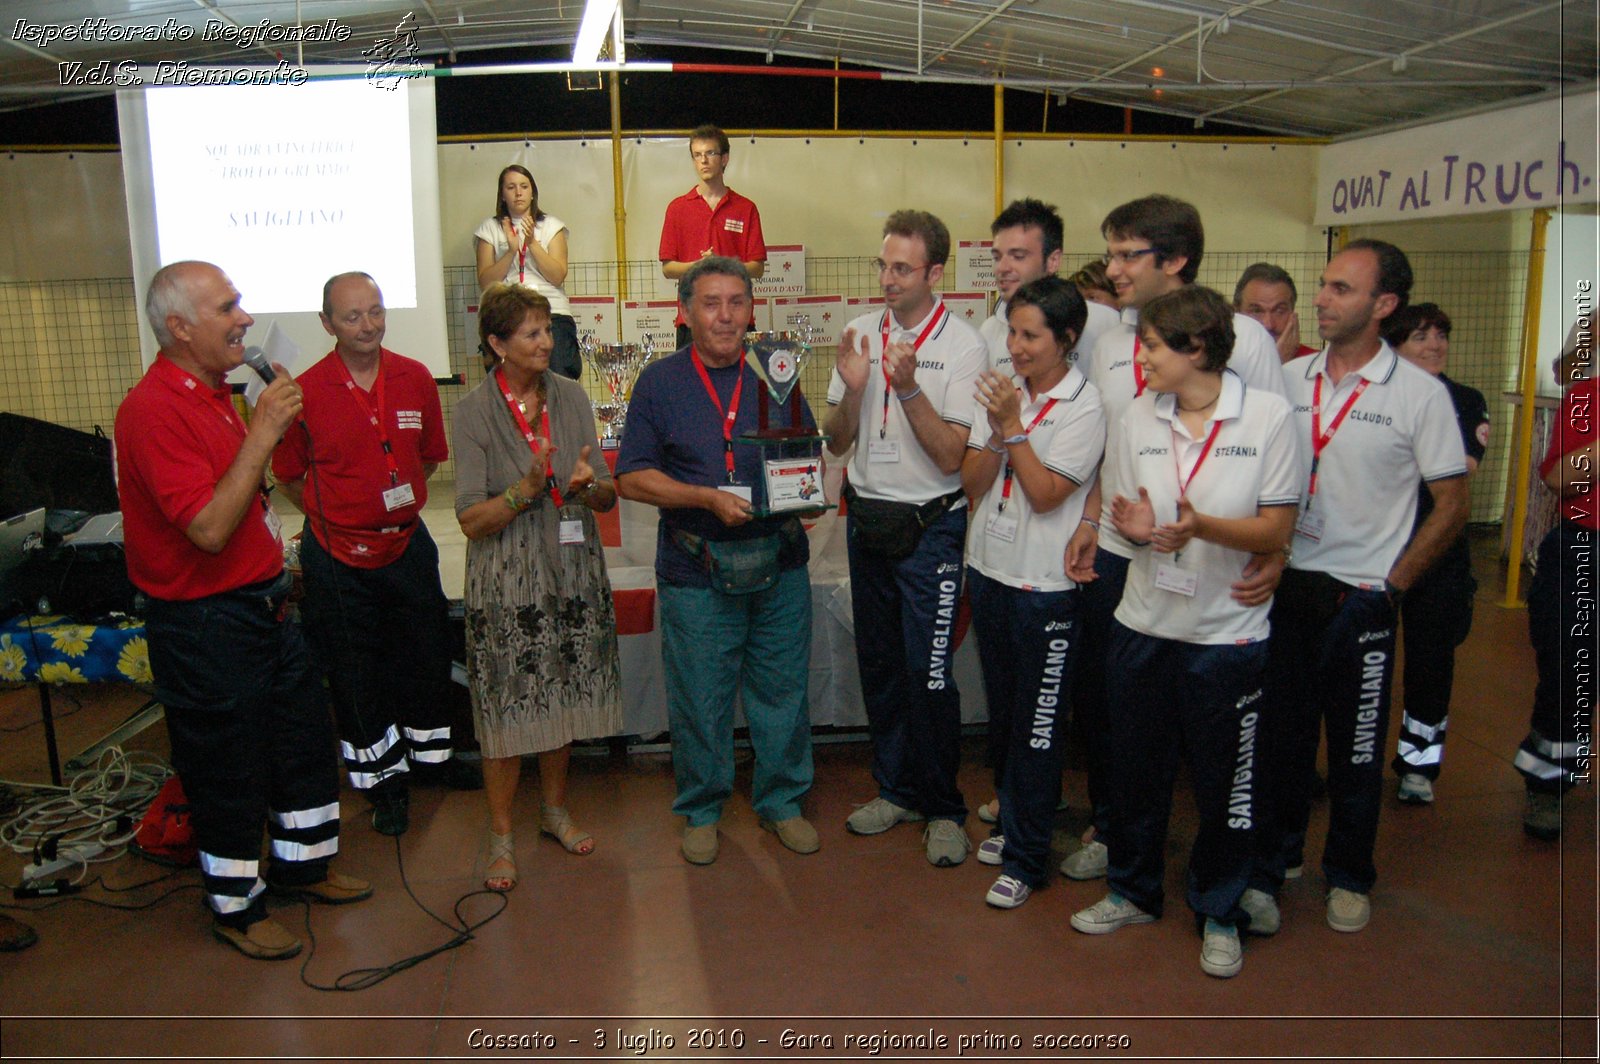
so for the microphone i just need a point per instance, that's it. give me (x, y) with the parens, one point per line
(256, 359)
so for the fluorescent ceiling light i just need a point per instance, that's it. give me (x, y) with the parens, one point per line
(598, 16)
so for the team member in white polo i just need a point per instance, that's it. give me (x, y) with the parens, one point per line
(1035, 443)
(901, 394)
(1027, 246)
(1153, 246)
(1213, 467)
(1372, 425)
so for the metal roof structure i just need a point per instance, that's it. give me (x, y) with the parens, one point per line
(1296, 67)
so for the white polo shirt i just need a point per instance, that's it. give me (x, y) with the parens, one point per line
(1254, 359)
(1402, 429)
(1069, 441)
(994, 331)
(1253, 463)
(948, 364)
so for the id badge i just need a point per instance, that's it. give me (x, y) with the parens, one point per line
(274, 522)
(398, 497)
(880, 452)
(570, 532)
(1176, 579)
(1310, 526)
(1002, 527)
(738, 491)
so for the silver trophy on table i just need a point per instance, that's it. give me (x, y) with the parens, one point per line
(618, 365)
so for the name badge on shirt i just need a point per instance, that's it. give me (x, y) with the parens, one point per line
(1310, 526)
(570, 532)
(401, 495)
(738, 491)
(1002, 527)
(274, 523)
(1176, 579)
(883, 451)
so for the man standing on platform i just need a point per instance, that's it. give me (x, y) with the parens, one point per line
(902, 394)
(734, 590)
(1374, 425)
(710, 219)
(1266, 293)
(248, 721)
(374, 609)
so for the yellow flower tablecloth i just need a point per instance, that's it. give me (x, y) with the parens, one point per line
(56, 649)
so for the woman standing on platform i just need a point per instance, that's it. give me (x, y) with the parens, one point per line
(1215, 465)
(523, 245)
(541, 628)
(1035, 441)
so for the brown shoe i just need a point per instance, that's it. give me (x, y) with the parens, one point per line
(796, 833)
(264, 940)
(337, 889)
(15, 935)
(700, 844)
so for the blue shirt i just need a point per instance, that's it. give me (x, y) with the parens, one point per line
(673, 427)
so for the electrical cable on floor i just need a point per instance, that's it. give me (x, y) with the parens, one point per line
(100, 808)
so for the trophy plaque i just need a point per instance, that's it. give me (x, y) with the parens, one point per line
(791, 454)
(618, 365)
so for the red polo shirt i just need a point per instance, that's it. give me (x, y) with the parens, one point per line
(691, 226)
(344, 500)
(175, 438)
(1575, 427)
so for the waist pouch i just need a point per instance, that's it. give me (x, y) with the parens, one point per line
(739, 566)
(893, 529)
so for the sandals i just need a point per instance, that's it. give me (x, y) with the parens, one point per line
(556, 822)
(500, 874)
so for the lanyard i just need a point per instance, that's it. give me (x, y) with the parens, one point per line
(527, 434)
(374, 412)
(1205, 451)
(522, 253)
(221, 407)
(927, 330)
(1319, 439)
(1005, 488)
(1138, 370)
(733, 404)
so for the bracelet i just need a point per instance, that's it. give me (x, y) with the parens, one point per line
(1091, 523)
(515, 501)
(907, 398)
(992, 449)
(1021, 437)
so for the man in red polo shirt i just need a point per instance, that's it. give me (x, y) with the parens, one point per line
(373, 609)
(246, 715)
(710, 219)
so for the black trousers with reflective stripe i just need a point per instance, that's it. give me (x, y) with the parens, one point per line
(250, 732)
(380, 636)
(1561, 625)
(1436, 617)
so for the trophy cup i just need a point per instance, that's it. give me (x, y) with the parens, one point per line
(618, 365)
(791, 453)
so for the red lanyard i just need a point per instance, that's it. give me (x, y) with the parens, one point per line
(1319, 439)
(1138, 370)
(527, 434)
(927, 330)
(733, 404)
(374, 415)
(218, 405)
(1005, 488)
(522, 254)
(1205, 451)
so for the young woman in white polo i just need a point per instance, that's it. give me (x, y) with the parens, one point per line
(1214, 464)
(1036, 440)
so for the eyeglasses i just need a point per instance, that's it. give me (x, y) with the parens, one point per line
(704, 156)
(1125, 258)
(900, 271)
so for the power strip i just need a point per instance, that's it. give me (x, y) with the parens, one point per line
(68, 858)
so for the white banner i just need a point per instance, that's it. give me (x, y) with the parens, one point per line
(597, 315)
(970, 307)
(825, 314)
(654, 317)
(785, 274)
(975, 266)
(1538, 155)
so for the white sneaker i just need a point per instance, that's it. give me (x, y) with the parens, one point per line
(878, 816)
(992, 850)
(1347, 910)
(1415, 789)
(1088, 863)
(1265, 919)
(947, 843)
(1008, 892)
(1108, 914)
(1221, 953)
